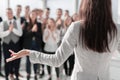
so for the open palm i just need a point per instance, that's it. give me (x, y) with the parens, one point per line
(17, 55)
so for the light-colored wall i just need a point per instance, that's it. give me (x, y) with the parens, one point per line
(115, 10)
(54, 4)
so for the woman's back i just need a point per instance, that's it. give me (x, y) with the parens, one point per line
(90, 63)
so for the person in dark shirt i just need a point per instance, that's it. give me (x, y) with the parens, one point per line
(32, 39)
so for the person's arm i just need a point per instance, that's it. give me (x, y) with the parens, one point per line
(2, 32)
(56, 36)
(46, 35)
(18, 30)
(63, 52)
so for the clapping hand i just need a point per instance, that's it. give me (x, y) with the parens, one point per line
(17, 55)
(11, 27)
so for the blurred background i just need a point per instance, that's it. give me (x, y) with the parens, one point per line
(73, 7)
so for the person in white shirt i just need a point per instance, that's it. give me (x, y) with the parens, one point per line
(59, 21)
(10, 32)
(93, 39)
(75, 17)
(46, 16)
(51, 39)
(47, 13)
(39, 15)
(21, 20)
(69, 63)
(27, 13)
(66, 14)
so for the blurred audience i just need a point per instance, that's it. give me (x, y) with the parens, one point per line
(32, 39)
(51, 39)
(35, 30)
(10, 31)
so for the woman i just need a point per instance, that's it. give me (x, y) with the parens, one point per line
(32, 39)
(94, 39)
(70, 60)
(51, 39)
(67, 22)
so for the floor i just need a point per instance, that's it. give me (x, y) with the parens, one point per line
(23, 73)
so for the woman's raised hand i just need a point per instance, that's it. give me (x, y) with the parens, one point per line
(17, 55)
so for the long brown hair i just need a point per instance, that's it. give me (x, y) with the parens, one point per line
(30, 25)
(97, 29)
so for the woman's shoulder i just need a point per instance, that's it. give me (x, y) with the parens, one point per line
(75, 26)
(77, 23)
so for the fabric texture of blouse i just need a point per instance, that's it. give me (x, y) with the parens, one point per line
(89, 65)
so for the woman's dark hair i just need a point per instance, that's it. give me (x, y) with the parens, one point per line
(97, 29)
(30, 25)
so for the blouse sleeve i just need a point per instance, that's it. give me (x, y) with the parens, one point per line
(63, 52)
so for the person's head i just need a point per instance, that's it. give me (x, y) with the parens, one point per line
(9, 13)
(33, 15)
(97, 27)
(66, 14)
(27, 9)
(18, 9)
(68, 21)
(59, 13)
(32, 19)
(47, 12)
(40, 12)
(36, 10)
(44, 21)
(75, 17)
(51, 24)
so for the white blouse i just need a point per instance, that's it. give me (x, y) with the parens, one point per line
(51, 44)
(89, 65)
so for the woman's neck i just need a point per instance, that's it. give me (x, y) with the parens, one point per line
(33, 21)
